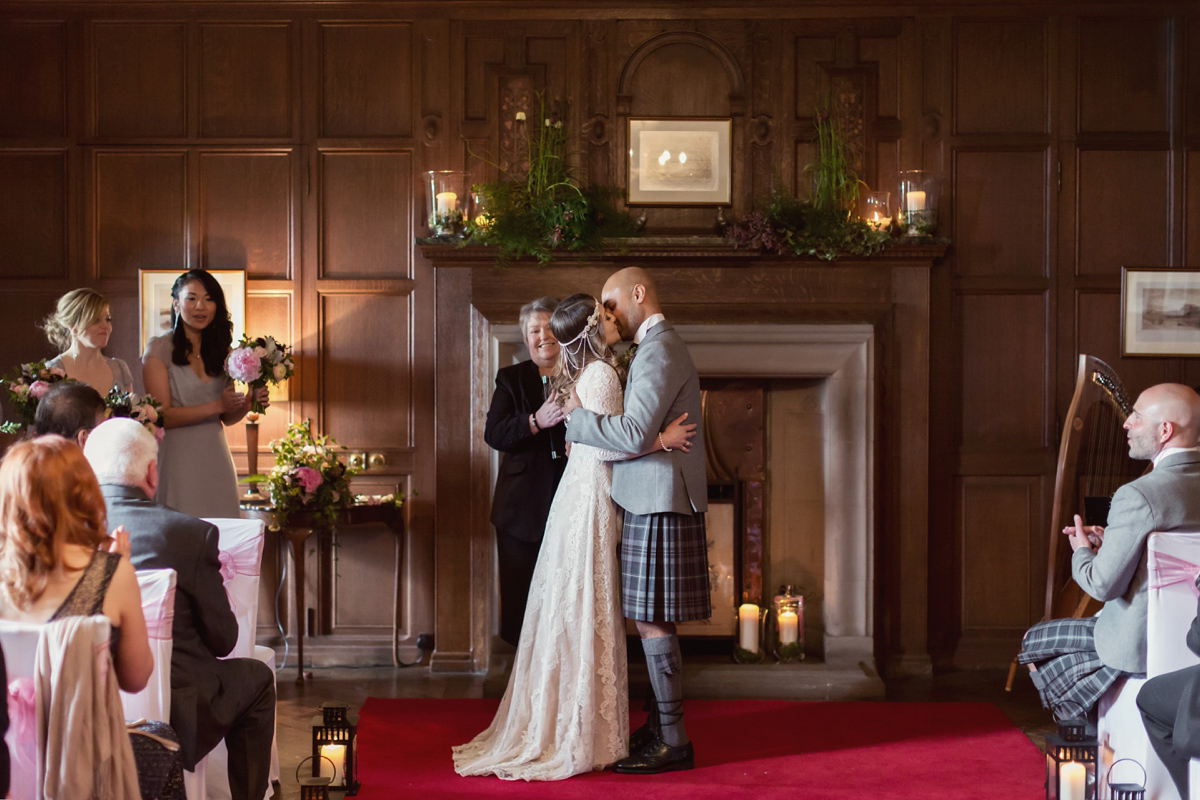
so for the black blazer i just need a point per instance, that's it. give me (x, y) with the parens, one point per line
(207, 694)
(1187, 719)
(528, 475)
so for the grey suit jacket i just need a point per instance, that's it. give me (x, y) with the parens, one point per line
(1167, 499)
(662, 384)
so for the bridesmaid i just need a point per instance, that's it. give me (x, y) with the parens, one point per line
(81, 326)
(185, 369)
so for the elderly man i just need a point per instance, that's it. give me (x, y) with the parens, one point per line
(1074, 661)
(69, 409)
(211, 698)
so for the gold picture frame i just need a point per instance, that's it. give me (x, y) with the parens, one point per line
(1160, 312)
(680, 161)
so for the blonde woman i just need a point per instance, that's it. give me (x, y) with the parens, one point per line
(80, 327)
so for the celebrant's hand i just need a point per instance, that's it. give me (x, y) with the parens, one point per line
(549, 415)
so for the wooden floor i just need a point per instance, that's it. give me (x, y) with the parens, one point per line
(298, 703)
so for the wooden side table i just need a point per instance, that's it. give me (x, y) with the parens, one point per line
(296, 532)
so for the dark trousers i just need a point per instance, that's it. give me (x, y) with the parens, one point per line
(1159, 703)
(516, 559)
(250, 737)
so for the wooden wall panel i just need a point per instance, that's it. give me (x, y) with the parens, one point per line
(1191, 210)
(1001, 83)
(366, 213)
(140, 211)
(138, 79)
(884, 54)
(245, 80)
(1003, 388)
(1099, 334)
(811, 81)
(365, 342)
(1191, 80)
(246, 212)
(33, 213)
(270, 311)
(1125, 67)
(1122, 205)
(1001, 213)
(364, 576)
(33, 78)
(1010, 505)
(366, 79)
(482, 54)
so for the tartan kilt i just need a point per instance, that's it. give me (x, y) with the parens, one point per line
(1070, 676)
(664, 567)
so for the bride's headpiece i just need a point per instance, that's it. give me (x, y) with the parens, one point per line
(592, 321)
(573, 358)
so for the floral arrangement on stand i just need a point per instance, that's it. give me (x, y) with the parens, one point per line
(258, 362)
(140, 408)
(26, 384)
(545, 209)
(824, 226)
(308, 475)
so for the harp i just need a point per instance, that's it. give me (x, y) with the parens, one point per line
(1093, 462)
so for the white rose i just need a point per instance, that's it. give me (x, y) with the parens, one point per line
(271, 346)
(520, 116)
(280, 372)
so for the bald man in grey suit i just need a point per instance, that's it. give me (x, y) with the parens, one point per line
(664, 553)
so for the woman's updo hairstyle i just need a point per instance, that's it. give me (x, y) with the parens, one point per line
(74, 311)
(578, 324)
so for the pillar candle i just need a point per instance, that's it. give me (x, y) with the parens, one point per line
(789, 627)
(748, 627)
(448, 201)
(337, 754)
(916, 201)
(1072, 780)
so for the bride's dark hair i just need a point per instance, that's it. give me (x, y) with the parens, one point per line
(578, 324)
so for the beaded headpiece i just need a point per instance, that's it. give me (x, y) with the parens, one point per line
(592, 321)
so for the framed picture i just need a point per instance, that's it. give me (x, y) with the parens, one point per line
(154, 299)
(1160, 312)
(680, 162)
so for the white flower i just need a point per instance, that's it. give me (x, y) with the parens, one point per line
(520, 116)
(547, 123)
(280, 372)
(261, 352)
(271, 346)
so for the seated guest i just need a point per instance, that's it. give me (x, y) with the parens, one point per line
(69, 409)
(211, 699)
(1074, 661)
(1170, 706)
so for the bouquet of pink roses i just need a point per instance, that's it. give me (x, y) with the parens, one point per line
(140, 408)
(258, 362)
(26, 384)
(309, 475)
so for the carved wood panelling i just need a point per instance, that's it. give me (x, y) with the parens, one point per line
(140, 211)
(138, 78)
(1191, 80)
(246, 212)
(1001, 209)
(1001, 81)
(481, 52)
(1125, 67)
(245, 79)
(366, 213)
(811, 80)
(1191, 209)
(366, 342)
(33, 72)
(1011, 506)
(1122, 207)
(367, 79)
(33, 213)
(1003, 392)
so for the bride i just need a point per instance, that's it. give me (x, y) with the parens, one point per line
(566, 709)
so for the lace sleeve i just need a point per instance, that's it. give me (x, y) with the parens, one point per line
(600, 391)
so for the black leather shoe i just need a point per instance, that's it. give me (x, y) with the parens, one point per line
(643, 736)
(656, 757)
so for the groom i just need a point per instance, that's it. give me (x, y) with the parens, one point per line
(664, 555)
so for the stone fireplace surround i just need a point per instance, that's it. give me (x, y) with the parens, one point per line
(861, 324)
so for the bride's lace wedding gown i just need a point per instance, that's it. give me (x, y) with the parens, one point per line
(566, 708)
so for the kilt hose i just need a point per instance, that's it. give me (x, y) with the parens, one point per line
(664, 567)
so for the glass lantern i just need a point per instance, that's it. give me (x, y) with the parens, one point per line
(1071, 757)
(875, 209)
(447, 206)
(482, 214)
(789, 625)
(1126, 791)
(918, 202)
(313, 788)
(335, 739)
(748, 645)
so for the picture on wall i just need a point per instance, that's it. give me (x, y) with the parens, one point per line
(1160, 312)
(154, 299)
(680, 162)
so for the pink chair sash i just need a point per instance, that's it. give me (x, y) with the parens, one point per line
(160, 615)
(22, 715)
(1169, 569)
(243, 558)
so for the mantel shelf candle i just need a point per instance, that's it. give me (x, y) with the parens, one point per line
(747, 647)
(918, 203)
(447, 202)
(789, 625)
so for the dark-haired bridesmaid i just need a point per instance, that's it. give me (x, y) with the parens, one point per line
(185, 369)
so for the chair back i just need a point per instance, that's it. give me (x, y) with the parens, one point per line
(241, 546)
(20, 642)
(158, 607)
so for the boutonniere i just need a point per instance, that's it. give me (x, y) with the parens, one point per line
(625, 358)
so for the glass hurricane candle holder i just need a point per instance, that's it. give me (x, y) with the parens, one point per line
(875, 209)
(918, 203)
(1071, 758)
(747, 645)
(789, 625)
(447, 206)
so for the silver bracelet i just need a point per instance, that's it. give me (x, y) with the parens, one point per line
(662, 443)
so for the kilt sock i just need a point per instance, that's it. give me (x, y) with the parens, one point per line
(666, 678)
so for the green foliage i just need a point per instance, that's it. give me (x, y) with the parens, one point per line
(835, 183)
(793, 227)
(308, 475)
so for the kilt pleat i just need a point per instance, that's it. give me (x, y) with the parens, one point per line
(1070, 676)
(664, 568)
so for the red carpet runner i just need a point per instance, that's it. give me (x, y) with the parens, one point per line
(798, 751)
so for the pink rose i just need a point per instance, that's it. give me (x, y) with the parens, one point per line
(149, 414)
(242, 365)
(39, 388)
(58, 371)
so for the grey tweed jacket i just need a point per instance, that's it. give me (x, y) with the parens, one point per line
(662, 384)
(1166, 499)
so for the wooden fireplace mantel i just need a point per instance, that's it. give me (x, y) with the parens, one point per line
(701, 280)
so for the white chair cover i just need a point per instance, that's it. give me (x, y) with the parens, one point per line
(20, 641)
(158, 606)
(1173, 562)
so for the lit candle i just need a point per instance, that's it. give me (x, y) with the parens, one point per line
(1072, 779)
(748, 627)
(337, 754)
(789, 627)
(448, 201)
(916, 201)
